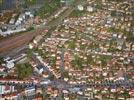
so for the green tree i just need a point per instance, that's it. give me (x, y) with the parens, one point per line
(83, 46)
(126, 94)
(24, 70)
(29, 53)
(77, 62)
(44, 93)
(130, 37)
(104, 59)
(71, 45)
(1, 60)
(77, 13)
(52, 61)
(0, 2)
(30, 2)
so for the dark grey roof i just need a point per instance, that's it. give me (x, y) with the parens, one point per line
(39, 67)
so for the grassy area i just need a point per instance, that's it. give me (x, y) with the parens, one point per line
(71, 44)
(52, 61)
(30, 2)
(48, 8)
(77, 62)
(83, 46)
(113, 29)
(130, 37)
(0, 2)
(104, 59)
(77, 13)
(113, 13)
(1, 60)
(98, 4)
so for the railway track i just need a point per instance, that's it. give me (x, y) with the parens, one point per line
(19, 40)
